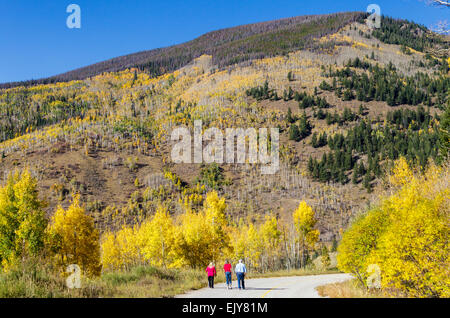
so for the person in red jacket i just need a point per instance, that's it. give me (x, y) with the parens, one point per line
(227, 270)
(211, 270)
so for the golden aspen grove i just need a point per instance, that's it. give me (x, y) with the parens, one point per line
(87, 176)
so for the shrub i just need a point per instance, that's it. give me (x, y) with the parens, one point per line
(406, 235)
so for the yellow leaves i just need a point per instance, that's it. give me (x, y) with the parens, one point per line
(215, 209)
(203, 235)
(22, 219)
(401, 174)
(406, 236)
(358, 240)
(312, 237)
(120, 250)
(338, 37)
(191, 201)
(271, 61)
(74, 239)
(304, 222)
(255, 245)
(157, 240)
(196, 239)
(357, 44)
(304, 218)
(413, 252)
(270, 233)
(176, 181)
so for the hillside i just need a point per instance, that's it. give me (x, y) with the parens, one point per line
(348, 102)
(227, 46)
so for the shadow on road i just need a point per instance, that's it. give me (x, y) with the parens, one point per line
(250, 288)
(262, 288)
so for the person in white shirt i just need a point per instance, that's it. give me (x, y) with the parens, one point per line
(240, 270)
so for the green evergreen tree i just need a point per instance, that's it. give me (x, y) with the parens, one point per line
(289, 117)
(444, 134)
(294, 133)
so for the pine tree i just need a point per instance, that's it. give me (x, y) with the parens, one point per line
(294, 133)
(314, 140)
(361, 170)
(361, 110)
(355, 177)
(304, 127)
(334, 245)
(289, 117)
(444, 134)
(310, 164)
(366, 182)
(348, 95)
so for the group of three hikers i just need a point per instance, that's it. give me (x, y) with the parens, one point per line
(240, 271)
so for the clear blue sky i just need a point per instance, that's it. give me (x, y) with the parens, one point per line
(35, 41)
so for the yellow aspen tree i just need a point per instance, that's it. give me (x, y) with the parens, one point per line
(120, 250)
(239, 240)
(304, 222)
(110, 252)
(271, 237)
(22, 219)
(255, 246)
(214, 211)
(74, 239)
(406, 236)
(413, 252)
(202, 237)
(157, 240)
(194, 237)
(401, 173)
(358, 241)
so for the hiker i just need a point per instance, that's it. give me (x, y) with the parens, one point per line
(240, 270)
(211, 270)
(227, 270)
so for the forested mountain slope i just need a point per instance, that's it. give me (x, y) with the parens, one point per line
(227, 46)
(346, 103)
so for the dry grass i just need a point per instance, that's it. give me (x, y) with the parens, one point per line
(347, 289)
(151, 282)
(37, 280)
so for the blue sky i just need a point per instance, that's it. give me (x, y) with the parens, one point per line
(35, 41)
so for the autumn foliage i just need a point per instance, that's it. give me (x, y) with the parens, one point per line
(201, 234)
(406, 235)
(73, 239)
(22, 219)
